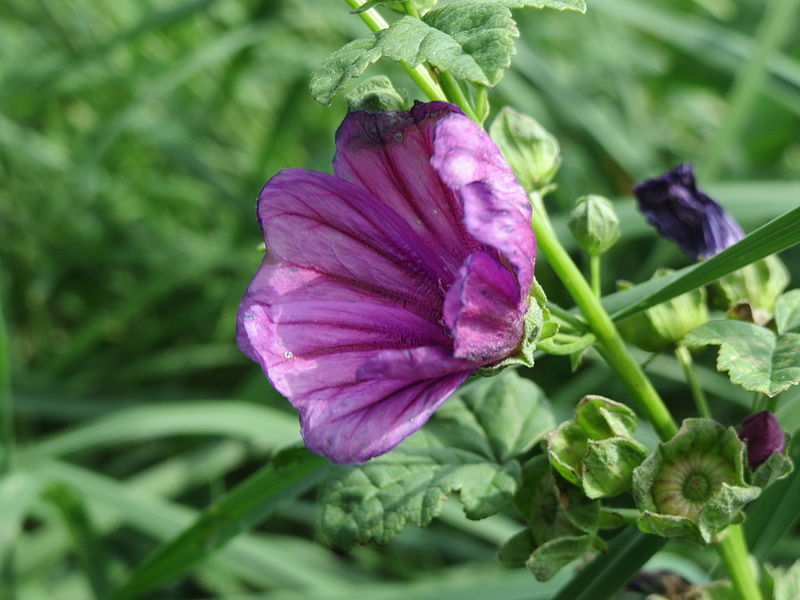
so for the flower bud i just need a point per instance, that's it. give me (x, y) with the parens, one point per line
(376, 94)
(763, 435)
(659, 328)
(681, 212)
(693, 485)
(529, 148)
(594, 224)
(754, 287)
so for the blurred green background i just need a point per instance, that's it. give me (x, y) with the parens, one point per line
(134, 137)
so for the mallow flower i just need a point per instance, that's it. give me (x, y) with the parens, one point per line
(681, 212)
(385, 285)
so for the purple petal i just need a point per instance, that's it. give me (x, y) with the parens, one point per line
(681, 212)
(497, 211)
(388, 154)
(481, 310)
(764, 437)
(344, 282)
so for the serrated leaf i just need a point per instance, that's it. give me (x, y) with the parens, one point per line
(754, 357)
(485, 31)
(787, 312)
(577, 5)
(467, 449)
(550, 557)
(517, 549)
(471, 40)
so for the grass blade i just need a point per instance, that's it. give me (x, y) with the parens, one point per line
(86, 543)
(777, 235)
(288, 476)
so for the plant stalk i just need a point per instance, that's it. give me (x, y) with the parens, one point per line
(685, 360)
(594, 273)
(732, 549)
(611, 345)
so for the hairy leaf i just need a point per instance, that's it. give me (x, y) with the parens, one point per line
(468, 448)
(787, 312)
(754, 357)
(578, 5)
(471, 40)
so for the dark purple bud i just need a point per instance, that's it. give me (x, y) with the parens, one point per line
(682, 213)
(763, 435)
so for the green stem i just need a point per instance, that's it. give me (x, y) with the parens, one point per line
(685, 360)
(732, 549)
(776, 23)
(573, 320)
(611, 345)
(456, 95)
(594, 273)
(418, 74)
(6, 401)
(482, 102)
(411, 8)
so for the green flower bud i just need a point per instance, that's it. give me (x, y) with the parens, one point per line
(693, 485)
(596, 450)
(528, 147)
(750, 292)
(376, 94)
(660, 327)
(594, 224)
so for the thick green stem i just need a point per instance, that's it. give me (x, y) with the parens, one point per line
(418, 74)
(685, 360)
(410, 8)
(732, 549)
(594, 273)
(456, 95)
(611, 345)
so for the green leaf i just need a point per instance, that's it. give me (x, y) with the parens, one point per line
(777, 235)
(517, 550)
(470, 40)
(608, 572)
(468, 449)
(756, 358)
(484, 30)
(552, 556)
(376, 94)
(787, 312)
(87, 543)
(776, 467)
(577, 5)
(288, 475)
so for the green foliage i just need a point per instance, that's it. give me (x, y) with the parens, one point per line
(755, 358)
(376, 94)
(470, 40)
(469, 448)
(757, 286)
(577, 5)
(288, 475)
(562, 522)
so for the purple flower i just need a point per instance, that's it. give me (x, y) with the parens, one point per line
(674, 205)
(764, 437)
(386, 285)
